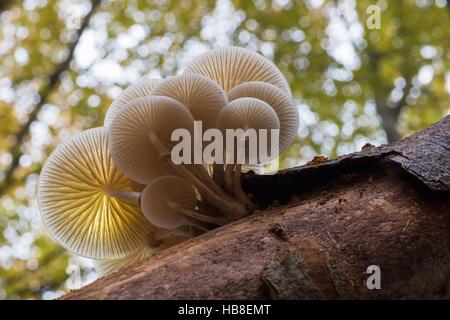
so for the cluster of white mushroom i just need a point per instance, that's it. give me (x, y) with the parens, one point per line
(113, 193)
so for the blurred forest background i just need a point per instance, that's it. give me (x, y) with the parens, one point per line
(63, 61)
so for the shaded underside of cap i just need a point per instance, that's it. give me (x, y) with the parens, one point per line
(248, 112)
(202, 96)
(283, 105)
(129, 142)
(154, 201)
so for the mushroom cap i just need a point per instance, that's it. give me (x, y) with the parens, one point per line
(140, 89)
(75, 206)
(249, 113)
(129, 141)
(202, 96)
(283, 105)
(154, 201)
(232, 66)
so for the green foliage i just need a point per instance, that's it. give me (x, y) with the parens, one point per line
(345, 77)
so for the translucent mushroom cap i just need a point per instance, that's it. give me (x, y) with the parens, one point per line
(129, 135)
(138, 90)
(202, 96)
(249, 113)
(75, 204)
(283, 105)
(232, 66)
(155, 197)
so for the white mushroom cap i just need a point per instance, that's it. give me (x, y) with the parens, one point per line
(202, 96)
(283, 105)
(232, 66)
(140, 89)
(76, 207)
(129, 133)
(155, 196)
(249, 113)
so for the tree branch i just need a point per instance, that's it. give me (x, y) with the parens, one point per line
(4, 5)
(44, 93)
(388, 115)
(319, 229)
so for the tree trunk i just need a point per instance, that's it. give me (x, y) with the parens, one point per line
(319, 228)
(389, 117)
(4, 5)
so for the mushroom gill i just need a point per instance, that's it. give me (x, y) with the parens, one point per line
(283, 105)
(140, 145)
(202, 96)
(130, 132)
(170, 202)
(140, 89)
(255, 116)
(232, 66)
(86, 203)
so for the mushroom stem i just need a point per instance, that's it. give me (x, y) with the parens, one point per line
(124, 195)
(218, 198)
(206, 178)
(196, 215)
(218, 174)
(228, 177)
(237, 187)
(204, 227)
(222, 201)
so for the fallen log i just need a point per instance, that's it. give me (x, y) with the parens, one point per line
(318, 229)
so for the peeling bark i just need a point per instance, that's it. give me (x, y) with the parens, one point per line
(317, 230)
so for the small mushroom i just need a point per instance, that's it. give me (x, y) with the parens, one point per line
(86, 203)
(129, 136)
(232, 66)
(283, 105)
(140, 89)
(246, 113)
(202, 96)
(170, 202)
(249, 113)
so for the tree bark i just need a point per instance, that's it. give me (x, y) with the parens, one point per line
(318, 229)
(389, 117)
